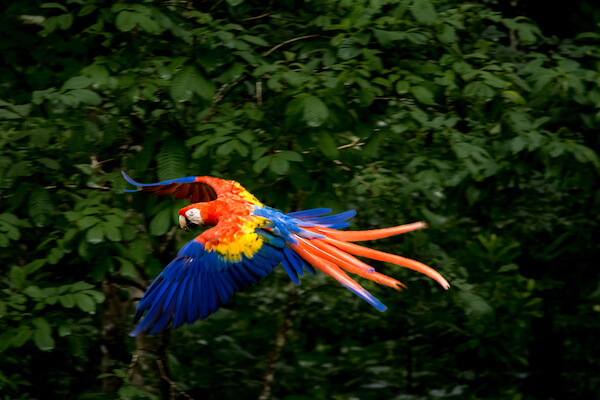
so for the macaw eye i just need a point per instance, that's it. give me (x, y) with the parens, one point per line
(192, 213)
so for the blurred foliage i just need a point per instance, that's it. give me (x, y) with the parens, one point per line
(403, 110)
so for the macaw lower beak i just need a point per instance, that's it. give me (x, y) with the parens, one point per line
(186, 224)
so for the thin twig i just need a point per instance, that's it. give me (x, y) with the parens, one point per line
(257, 17)
(288, 41)
(174, 386)
(259, 94)
(355, 142)
(215, 5)
(131, 369)
(220, 96)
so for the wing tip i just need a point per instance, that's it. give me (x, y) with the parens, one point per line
(129, 179)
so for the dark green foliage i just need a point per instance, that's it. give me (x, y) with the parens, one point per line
(470, 119)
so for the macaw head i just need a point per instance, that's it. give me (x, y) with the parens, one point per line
(192, 216)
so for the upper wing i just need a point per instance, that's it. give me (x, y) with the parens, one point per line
(207, 271)
(194, 188)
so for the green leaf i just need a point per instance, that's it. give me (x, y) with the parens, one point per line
(448, 34)
(22, 109)
(137, 251)
(127, 268)
(86, 96)
(423, 95)
(315, 112)
(348, 49)
(423, 11)
(96, 295)
(49, 163)
(385, 37)
(261, 164)
(33, 291)
(5, 114)
(86, 222)
(85, 302)
(478, 91)
(17, 276)
(40, 206)
(64, 330)
(328, 146)
(474, 305)
(255, 40)
(64, 21)
(80, 285)
(54, 5)
(95, 234)
(67, 300)
(172, 160)
(402, 87)
(291, 155)
(189, 81)
(517, 144)
(279, 165)
(125, 21)
(78, 82)
(112, 232)
(42, 336)
(161, 222)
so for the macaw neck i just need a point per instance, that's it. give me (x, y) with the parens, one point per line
(217, 209)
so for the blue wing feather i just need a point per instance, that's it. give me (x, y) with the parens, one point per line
(291, 271)
(187, 179)
(196, 283)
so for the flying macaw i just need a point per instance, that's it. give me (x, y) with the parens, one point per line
(246, 242)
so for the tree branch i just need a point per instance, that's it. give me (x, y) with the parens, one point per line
(288, 41)
(280, 340)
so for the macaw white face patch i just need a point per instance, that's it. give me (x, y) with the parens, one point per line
(193, 214)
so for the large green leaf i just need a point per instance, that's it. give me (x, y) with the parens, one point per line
(315, 112)
(189, 81)
(423, 11)
(161, 222)
(43, 334)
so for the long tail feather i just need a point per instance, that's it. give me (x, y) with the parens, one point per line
(356, 236)
(391, 258)
(356, 266)
(332, 253)
(335, 272)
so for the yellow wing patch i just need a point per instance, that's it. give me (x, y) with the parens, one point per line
(246, 195)
(243, 241)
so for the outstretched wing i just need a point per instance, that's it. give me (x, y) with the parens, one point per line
(236, 253)
(194, 188)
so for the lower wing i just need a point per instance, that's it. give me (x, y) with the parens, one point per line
(203, 277)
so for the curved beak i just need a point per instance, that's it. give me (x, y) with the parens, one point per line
(184, 223)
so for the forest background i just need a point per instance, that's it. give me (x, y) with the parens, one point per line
(481, 118)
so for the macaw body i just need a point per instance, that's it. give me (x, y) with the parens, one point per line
(246, 242)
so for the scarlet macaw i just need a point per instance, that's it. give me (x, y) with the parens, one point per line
(247, 241)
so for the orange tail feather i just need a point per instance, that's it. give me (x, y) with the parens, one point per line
(335, 272)
(391, 258)
(351, 264)
(357, 236)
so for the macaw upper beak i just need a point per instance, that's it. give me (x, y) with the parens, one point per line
(184, 223)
